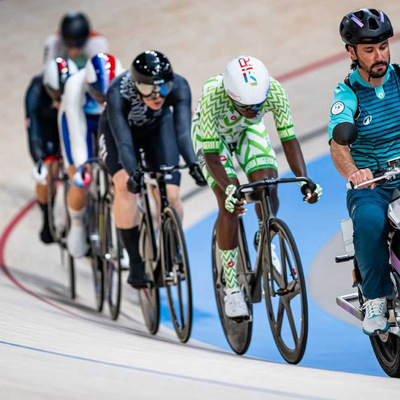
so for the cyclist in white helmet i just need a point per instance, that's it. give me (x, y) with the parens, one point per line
(227, 120)
(42, 101)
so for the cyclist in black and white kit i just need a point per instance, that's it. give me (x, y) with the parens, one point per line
(138, 115)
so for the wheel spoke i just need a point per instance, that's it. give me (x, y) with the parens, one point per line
(292, 323)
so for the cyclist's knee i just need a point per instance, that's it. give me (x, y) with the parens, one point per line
(174, 198)
(119, 179)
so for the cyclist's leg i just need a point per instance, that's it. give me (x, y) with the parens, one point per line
(161, 148)
(368, 210)
(125, 210)
(257, 158)
(226, 231)
(76, 197)
(41, 123)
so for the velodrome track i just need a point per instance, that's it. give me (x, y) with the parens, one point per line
(51, 347)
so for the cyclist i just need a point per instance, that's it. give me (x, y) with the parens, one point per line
(138, 114)
(75, 40)
(228, 119)
(81, 106)
(368, 106)
(41, 105)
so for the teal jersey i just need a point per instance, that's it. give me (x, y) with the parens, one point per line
(378, 124)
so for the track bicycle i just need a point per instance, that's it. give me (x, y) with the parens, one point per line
(166, 260)
(283, 284)
(58, 185)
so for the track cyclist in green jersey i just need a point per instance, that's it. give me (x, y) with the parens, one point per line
(227, 120)
(366, 107)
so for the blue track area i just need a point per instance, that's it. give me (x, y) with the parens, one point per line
(332, 344)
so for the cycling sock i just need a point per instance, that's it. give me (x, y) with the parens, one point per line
(229, 260)
(130, 238)
(45, 234)
(77, 216)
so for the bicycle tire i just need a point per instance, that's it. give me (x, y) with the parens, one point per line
(176, 274)
(112, 255)
(279, 304)
(94, 228)
(149, 298)
(238, 334)
(59, 233)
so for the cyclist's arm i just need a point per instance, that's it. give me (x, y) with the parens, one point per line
(278, 103)
(32, 110)
(182, 101)
(117, 110)
(343, 109)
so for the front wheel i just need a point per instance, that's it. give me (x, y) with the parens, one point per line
(112, 262)
(237, 332)
(149, 297)
(285, 292)
(176, 275)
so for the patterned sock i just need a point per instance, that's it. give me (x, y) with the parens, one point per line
(229, 260)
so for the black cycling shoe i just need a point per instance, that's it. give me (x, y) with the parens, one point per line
(137, 276)
(45, 235)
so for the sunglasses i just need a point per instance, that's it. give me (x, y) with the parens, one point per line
(154, 91)
(247, 107)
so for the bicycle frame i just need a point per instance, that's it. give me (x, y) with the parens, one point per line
(264, 198)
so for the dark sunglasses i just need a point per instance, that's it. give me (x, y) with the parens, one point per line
(247, 107)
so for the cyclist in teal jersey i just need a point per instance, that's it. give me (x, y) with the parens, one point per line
(367, 108)
(228, 119)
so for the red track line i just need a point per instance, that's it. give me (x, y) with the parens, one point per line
(3, 241)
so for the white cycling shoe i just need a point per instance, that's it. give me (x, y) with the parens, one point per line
(275, 259)
(76, 241)
(375, 320)
(235, 305)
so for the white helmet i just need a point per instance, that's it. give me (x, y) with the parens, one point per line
(56, 73)
(246, 80)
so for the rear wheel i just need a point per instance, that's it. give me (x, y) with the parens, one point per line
(285, 293)
(176, 275)
(149, 297)
(237, 332)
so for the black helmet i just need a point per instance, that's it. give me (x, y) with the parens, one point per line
(152, 68)
(365, 26)
(75, 29)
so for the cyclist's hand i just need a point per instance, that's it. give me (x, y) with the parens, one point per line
(312, 192)
(232, 204)
(197, 175)
(81, 177)
(135, 182)
(40, 172)
(361, 176)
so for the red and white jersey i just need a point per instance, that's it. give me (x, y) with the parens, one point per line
(55, 47)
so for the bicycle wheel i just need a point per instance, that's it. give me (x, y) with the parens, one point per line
(95, 214)
(237, 332)
(112, 256)
(149, 297)
(59, 221)
(285, 293)
(176, 275)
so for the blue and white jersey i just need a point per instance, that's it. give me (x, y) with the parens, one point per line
(378, 124)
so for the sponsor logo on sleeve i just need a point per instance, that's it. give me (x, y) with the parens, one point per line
(337, 108)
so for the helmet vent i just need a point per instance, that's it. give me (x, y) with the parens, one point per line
(372, 24)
